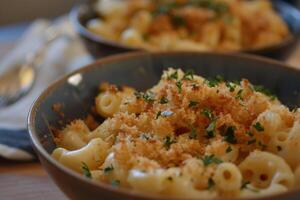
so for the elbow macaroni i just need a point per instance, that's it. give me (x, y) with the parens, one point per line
(187, 137)
(222, 26)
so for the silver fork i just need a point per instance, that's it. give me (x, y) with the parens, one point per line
(19, 79)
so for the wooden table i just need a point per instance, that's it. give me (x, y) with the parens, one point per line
(20, 180)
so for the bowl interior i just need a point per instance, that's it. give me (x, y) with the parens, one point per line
(76, 92)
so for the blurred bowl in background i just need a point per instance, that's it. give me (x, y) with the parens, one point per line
(100, 47)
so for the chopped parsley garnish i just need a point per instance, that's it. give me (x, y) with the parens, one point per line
(148, 96)
(178, 20)
(138, 95)
(195, 86)
(263, 146)
(193, 134)
(218, 7)
(239, 94)
(193, 104)
(145, 136)
(86, 170)
(229, 135)
(245, 186)
(279, 148)
(207, 160)
(188, 75)
(263, 90)
(228, 19)
(230, 86)
(210, 183)
(208, 113)
(158, 115)
(163, 100)
(179, 86)
(168, 142)
(107, 170)
(174, 75)
(115, 183)
(213, 82)
(251, 141)
(229, 149)
(210, 130)
(258, 127)
(249, 133)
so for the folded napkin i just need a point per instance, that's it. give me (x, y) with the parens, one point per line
(63, 56)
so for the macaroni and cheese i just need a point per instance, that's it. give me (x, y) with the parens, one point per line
(188, 137)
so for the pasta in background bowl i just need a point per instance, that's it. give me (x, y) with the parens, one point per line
(191, 25)
(187, 137)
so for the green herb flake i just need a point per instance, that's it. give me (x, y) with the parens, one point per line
(169, 178)
(158, 114)
(245, 186)
(250, 133)
(195, 86)
(279, 148)
(251, 141)
(148, 96)
(210, 183)
(188, 75)
(193, 134)
(239, 95)
(229, 149)
(179, 86)
(86, 171)
(138, 95)
(115, 183)
(258, 127)
(107, 170)
(263, 146)
(178, 20)
(163, 100)
(145, 136)
(210, 130)
(213, 82)
(228, 19)
(193, 104)
(168, 141)
(265, 91)
(174, 75)
(207, 160)
(208, 113)
(229, 135)
(230, 86)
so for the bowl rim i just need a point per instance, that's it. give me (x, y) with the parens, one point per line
(83, 31)
(38, 147)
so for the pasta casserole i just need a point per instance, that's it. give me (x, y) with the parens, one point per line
(199, 25)
(187, 137)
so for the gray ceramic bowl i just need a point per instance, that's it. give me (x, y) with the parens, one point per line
(76, 93)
